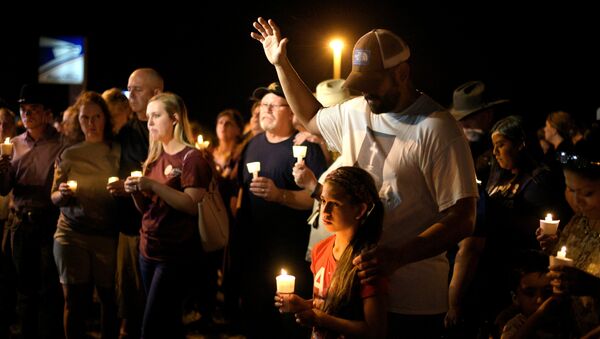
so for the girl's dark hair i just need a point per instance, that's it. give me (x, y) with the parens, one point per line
(513, 128)
(360, 187)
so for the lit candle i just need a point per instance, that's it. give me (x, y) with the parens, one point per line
(285, 282)
(136, 174)
(6, 147)
(561, 258)
(113, 179)
(548, 225)
(201, 143)
(285, 286)
(72, 185)
(254, 168)
(299, 152)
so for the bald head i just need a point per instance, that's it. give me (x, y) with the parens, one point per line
(144, 83)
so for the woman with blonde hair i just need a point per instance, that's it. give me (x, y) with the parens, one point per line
(175, 178)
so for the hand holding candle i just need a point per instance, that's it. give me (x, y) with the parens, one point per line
(548, 225)
(285, 287)
(72, 185)
(299, 152)
(561, 258)
(559, 285)
(254, 168)
(6, 147)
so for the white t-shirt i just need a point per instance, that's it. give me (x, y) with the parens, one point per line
(422, 165)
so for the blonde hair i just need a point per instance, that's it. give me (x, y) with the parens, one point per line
(182, 132)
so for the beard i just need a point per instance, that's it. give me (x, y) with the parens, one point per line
(384, 104)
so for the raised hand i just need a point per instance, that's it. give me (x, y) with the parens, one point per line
(269, 36)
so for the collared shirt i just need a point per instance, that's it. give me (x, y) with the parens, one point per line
(32, 169)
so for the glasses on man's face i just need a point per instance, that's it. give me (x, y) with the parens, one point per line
(576, 161)
(273, 106)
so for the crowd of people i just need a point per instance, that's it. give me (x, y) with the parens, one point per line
(400, 219)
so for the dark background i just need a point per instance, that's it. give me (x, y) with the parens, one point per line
(543, 58)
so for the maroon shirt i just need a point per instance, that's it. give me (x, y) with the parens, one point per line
(32, 170)
(167, 233)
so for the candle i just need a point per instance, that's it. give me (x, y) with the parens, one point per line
(72, 185)
(6, 147)
(561, 258)
(285, 282)
(136, 174)
(299, 152)
(201, 143)
(112, 179)
(254, 168)
(285, 287)
(548, 225)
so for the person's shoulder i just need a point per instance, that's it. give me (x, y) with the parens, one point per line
(192, 155)
(355, 105)
(76, 150)
(324, 244)
(19, 138)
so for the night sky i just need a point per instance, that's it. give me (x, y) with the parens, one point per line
(542, 62)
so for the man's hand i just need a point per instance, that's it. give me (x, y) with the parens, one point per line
(375, 263)
(269, 36)
(304, 177)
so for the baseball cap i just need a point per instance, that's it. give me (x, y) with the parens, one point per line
(373, 54)
(274, 88)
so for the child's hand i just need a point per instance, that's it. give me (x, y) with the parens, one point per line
(289, 303)
(573, 280)
(309, 317)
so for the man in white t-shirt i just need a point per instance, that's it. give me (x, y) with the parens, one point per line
(419, 158)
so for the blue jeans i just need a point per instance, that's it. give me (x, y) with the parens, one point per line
(166, 284)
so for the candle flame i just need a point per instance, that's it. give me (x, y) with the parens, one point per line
(562, 253)
(7, 141)
(200, 139)
(549, 217)
(283, 272)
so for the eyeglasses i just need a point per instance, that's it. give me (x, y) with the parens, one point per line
(273, 106)
(576, 161)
